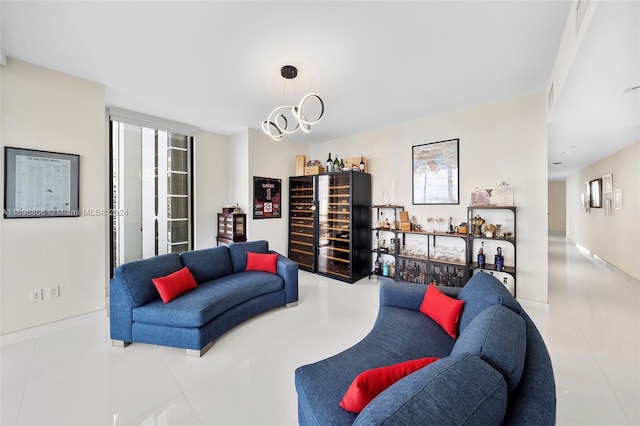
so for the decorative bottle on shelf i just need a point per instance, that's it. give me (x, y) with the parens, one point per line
(392, 246)
(361, 164)
(481, 262)
(329, 164)
(499, 260)
(385, 269)
(377, 266)
(336, 164)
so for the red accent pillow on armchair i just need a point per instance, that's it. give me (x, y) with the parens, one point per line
(370, 383)
(442, 309)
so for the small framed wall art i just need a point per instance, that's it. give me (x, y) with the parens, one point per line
(596, 193)
(266, 198)
(607, 183)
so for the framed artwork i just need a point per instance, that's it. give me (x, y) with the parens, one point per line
(436, 175)
(40, 183)
(596, 193)
(617, 199)
(266, 198)
(587, 196)
(607, 183)
(607, 207)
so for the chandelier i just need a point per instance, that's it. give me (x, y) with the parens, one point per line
(288, 119)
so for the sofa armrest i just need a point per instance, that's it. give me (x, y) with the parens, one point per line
(455, 390)
(288, 270)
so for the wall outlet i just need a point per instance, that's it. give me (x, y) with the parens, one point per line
(35, 295)
(53, 292)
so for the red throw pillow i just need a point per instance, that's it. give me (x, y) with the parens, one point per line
(173, 285)
(442, 309)
(262, 262)
(370, 383)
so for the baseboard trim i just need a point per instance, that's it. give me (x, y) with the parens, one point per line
(53, 327)
(533, 304)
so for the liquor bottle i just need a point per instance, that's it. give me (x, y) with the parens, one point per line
(385, 269)
(499, 260)
(392, 246)
(336, 164)
(481, 261)
(329, 164)
(377, 266)
(361, 164)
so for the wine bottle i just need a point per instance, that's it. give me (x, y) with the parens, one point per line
(336, 164)
(361, 164)
(481, 261)
(499, 260)
(329, 164)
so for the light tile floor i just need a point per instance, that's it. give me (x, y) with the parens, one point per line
(75, 377)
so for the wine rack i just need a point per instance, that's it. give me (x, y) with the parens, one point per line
(329, 224)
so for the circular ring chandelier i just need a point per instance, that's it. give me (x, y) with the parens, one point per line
(288, 119)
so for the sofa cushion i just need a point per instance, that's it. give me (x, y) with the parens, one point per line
(480, 292)
(137, 275)
(208, 264)
(210, 299)
(173, 285)
(456, 390)
(369, 384)
(498, 336)
(266, 262)
(442, 309)
(238, 253)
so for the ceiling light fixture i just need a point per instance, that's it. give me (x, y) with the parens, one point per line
(277, 124)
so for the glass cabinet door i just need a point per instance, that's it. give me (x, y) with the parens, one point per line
(334, 216)
(302, 222)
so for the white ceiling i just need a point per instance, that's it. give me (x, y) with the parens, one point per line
(596, 115)
(216, 65)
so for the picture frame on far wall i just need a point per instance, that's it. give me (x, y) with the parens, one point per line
(607, 183)
(267, 198)
(436, 172)
(596, 193)
(40, 184)
(617, 199)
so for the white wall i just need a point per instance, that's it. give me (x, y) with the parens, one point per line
(239, 173)
(504, 140)
(47, 110)
(558, 206)
(614, 238)
(268, 158)
(211, 185)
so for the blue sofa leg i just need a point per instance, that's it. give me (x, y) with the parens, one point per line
(292, 304)
(199, 352)
(120, 343)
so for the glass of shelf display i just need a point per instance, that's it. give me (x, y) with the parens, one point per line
(503, 195)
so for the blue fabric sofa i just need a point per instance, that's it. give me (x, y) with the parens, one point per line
(497, 371)
(226, 296)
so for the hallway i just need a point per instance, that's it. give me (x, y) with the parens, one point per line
(592, 331)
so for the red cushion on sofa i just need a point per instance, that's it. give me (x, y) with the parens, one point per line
(370, 383)
(262, 262)
(442, 309)
(173, 285)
